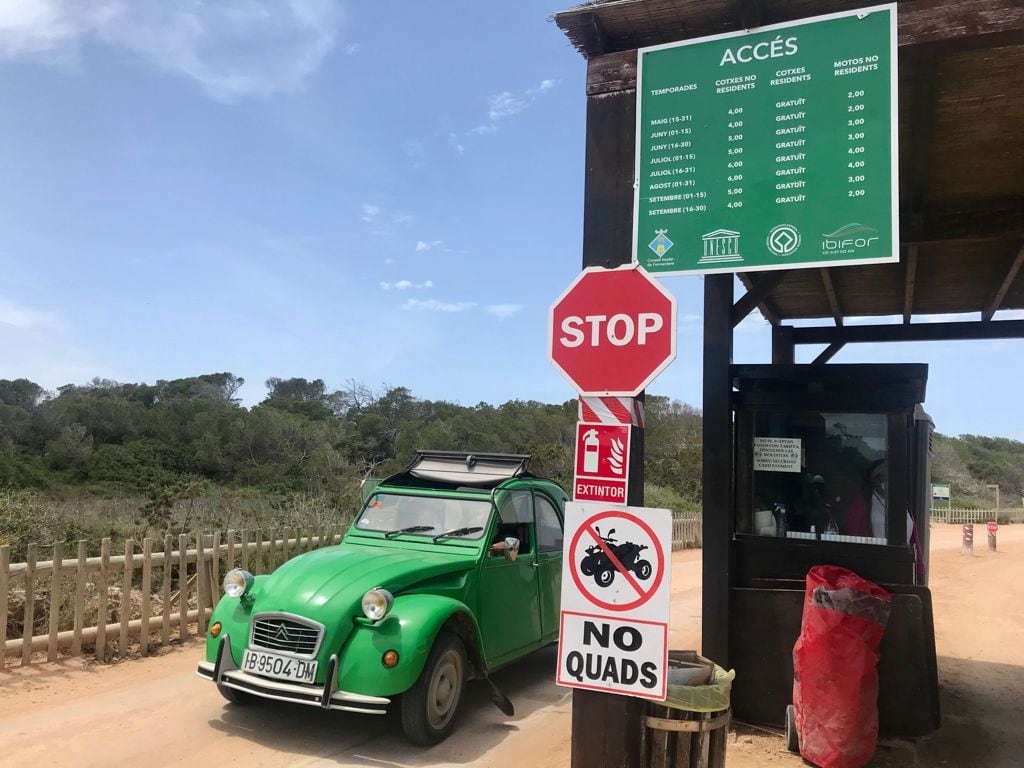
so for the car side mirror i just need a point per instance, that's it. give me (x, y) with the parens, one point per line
(511, 548)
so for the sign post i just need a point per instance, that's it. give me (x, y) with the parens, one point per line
(616, 574)
(769, 149)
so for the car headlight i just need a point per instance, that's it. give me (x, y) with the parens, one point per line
(377, 603)
(237, 583)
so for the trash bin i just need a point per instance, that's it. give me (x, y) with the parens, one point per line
(834, 718)
(689, 728)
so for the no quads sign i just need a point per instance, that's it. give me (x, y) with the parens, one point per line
(615, 599)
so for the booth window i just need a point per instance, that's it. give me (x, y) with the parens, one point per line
(820, 475)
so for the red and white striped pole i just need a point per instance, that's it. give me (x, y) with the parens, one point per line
(968, 539)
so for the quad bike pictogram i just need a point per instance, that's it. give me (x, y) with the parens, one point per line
(596, 562)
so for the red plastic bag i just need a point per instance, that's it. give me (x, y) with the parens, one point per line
(835, 667)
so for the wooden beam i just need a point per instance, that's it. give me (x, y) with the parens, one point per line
(597, 38)
(717, 504)
(924, 98)
(758, 291)
(830, 291)
(961, 331)
(766, 307)
(827, 354)
(783, 349)
(1011, 274)
(943, 24)
(909, 283)
(1001, 219)
(751, 12)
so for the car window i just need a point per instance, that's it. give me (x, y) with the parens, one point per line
(549, 526)
(395, 511)
(515, 507)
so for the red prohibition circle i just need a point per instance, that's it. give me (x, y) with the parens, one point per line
(576, 577)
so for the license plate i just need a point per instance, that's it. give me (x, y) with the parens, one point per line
(276, 665)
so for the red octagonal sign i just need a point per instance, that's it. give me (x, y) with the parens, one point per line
(612, 331)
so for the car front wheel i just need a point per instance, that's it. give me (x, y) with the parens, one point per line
(429, 707)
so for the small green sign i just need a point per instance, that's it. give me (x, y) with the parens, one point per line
(774, 149)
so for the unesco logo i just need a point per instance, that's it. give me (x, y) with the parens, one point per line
(783, 240)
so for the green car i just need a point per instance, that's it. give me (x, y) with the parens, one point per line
(451, 569)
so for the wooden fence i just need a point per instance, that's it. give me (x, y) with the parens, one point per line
(102, 604)
(960, 516)
(687, 533)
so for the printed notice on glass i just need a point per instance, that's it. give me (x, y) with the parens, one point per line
(776, 454)
(771, 149)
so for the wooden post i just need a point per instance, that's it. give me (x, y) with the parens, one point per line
(56, 580)
(30, 605)
(214, 570)
(717, 514)
(257, 555)
(182, 586)
(5, 563)
(80, 579)
(607, 729)
(126, 597)
(284, 545)
(165, 590)
(147, 589)
(201, 585)
(102, 611)
(243, 542)
(968, 540)
(272, 551)
(231, 549)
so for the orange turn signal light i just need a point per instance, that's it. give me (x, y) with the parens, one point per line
(215, 629)
(390, 659)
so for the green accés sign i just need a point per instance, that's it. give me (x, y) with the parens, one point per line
(773, 149)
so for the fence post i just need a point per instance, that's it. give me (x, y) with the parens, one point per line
(126, 596)
(165, 590)
(214, 572)
(101, 613)
(201, 586)
(243, 538)
(5, 562)
(147, 588)
(56, 581)
(182, 586)
(80, 577)
(257, 557)
(231, 549)
(284, 545)
(27, 631)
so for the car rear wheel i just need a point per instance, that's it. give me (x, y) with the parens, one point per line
(430, 706)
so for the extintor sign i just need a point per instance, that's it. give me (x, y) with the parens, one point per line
(602, 462)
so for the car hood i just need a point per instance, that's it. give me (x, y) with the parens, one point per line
(328, 584)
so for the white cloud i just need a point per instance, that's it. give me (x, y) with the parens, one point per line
(422, 246)
(501, 106)
(433, 305)
(402, 218)
(404, 285)
(370, 212)
(503, 310)
(232, 50)
(353, 48)
(20, 317)
(454, 143)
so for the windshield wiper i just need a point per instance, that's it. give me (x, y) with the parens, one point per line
(410, 529)
(457, 532)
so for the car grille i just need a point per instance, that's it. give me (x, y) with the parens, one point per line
(284, 634)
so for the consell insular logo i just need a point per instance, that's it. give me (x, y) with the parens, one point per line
(848, 239)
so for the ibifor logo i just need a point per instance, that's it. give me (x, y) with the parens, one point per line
(783, 240)
(848, 239)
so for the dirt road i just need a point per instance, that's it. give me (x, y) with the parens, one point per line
(157, 712)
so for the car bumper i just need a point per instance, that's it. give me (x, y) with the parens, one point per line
(226, 673)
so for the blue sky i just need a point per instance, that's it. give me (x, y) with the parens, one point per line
(385, 191)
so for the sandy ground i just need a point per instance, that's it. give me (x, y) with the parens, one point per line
(156, 712)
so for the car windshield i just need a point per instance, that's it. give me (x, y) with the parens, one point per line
(395, 513)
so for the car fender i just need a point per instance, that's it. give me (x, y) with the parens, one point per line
(410, 629)
(233, 615)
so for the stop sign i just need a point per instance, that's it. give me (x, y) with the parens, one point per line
(612, 331)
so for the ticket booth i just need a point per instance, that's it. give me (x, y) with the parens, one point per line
(831, 468)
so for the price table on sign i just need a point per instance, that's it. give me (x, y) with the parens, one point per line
(771, 149)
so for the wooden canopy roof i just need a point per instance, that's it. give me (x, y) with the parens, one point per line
(961, 81)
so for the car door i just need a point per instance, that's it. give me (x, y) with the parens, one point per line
(509, 599)
(549, 563)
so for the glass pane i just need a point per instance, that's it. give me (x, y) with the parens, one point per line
(549, 527)
(820, 475)
(431, 515)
